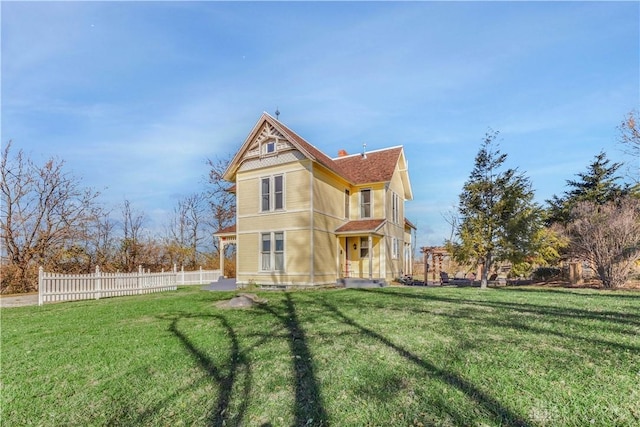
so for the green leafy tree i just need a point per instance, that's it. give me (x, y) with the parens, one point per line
(499, 220)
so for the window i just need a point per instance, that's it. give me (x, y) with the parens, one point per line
(365, 203)
(279, 194)
(269, 147)
(347, 203)
(272, 251)
(265, 251)
(272, 193)
(395, 208)
(266, 194)
(279, 251)
(395, 250)
(364, 247)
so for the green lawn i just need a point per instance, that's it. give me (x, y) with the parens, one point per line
(384, 357)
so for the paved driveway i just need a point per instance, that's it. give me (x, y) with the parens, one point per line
(18, 300)
(221, 285)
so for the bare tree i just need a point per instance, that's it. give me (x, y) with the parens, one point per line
(608, 236)
(629, 138)
(131, 243)
(221, 196)
(188, 230)
(102, 241)
(44, 212)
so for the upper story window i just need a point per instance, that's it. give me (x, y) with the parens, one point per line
(395, 208)
(365, 203)
(270, 147)
(347, 203)
(271, 193)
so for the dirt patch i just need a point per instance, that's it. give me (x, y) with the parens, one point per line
(241, 301)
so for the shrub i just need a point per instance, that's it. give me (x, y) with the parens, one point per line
(545, 273)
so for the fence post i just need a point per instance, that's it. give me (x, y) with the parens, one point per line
(182, 270)
(140, 280)
(201, 275)
(40, 285)
(98, 283)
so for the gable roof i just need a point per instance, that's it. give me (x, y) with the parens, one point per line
(376, 166)
(360, 226)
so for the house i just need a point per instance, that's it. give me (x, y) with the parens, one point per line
(305, 219)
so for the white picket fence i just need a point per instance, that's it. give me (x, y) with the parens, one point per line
(199, 277)
(54, 287)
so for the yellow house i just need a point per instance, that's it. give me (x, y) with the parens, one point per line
(305, 219)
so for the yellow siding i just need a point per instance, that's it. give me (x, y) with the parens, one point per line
(297, 260)
(326, 255)
(296, 184)
(328, 193)
(312, 254)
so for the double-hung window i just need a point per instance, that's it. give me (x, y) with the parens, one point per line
(395, 208)
(272, 193)
(364, 247)
(347, 203)
(365, 203)
(395, 249)
(272, 251)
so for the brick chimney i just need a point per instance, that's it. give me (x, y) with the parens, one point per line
(342, 153)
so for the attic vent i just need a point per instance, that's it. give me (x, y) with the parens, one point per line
(364, 150)
(342, 153)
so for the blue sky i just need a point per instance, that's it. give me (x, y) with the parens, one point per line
(135, 96)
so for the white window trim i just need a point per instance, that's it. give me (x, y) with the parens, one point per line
(272, 251)
(364, 244)
(272, 193)
(394, 207)
(347, 203)
(370, 203)
(264, 147)
(395, 248)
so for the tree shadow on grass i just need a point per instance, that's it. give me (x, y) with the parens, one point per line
(619, 321)
(500, 413)
(599, 293)
(559, 311)
(309, 409)
(225, 377)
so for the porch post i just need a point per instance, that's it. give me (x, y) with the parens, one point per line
(221, 241)
(370, 256)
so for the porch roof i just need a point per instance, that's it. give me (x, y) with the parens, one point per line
(361, 226)
(226, 231)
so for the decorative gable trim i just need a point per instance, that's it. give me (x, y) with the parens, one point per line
(377, 166)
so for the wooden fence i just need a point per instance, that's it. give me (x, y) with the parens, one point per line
(54, 287)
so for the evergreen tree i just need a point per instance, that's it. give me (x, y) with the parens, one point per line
(598, 185)
(498, 218)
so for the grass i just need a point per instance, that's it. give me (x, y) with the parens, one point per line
(385, 357)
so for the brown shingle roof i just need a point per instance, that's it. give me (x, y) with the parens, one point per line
(376, 166)
(226, 230)
(361, 226)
